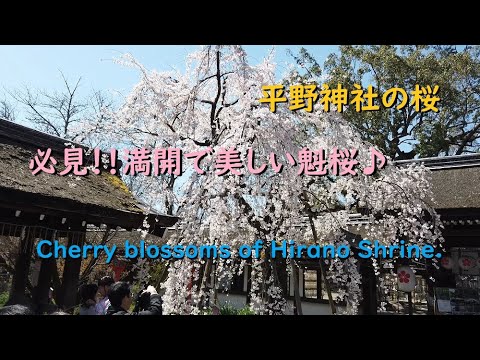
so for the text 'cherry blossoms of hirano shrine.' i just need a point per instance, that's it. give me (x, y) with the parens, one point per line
(159, 161)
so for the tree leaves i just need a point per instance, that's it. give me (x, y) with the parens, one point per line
(406, 133)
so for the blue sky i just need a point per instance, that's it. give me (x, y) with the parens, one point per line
(38, 65)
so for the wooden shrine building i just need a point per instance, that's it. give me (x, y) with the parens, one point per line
(50, 206)
(455, 281)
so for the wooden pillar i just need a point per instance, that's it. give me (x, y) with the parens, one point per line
(296, 286)
(45, 277)
(22, 267)
(282, 275)
(249, 284)
(71, 274)
(410, 303)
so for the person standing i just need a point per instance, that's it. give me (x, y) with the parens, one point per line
(103, 288)
(121, 298)
(88, 293)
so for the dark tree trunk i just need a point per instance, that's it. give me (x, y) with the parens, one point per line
(328, 289)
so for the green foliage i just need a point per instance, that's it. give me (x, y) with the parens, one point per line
(406, 133)
(228, 309)
(158, 273)
(3, 298)
(308, 70)
(206, 312)
(135, 289)
(245, 311)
